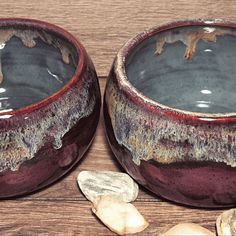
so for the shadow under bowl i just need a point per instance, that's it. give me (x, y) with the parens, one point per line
(49, 104)
(170, 111)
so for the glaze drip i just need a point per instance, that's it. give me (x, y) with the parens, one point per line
(28, 39)
(190, 38)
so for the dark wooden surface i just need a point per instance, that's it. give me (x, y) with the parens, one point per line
(102, 26)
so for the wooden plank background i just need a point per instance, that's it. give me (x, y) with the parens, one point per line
(102, 26)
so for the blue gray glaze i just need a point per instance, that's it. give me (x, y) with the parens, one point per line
(31, 74)
(206, 83)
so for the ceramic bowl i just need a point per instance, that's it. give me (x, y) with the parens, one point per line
(170, 111)
(49, 104)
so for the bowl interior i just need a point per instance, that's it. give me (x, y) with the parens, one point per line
(190, 68)
(34, 64)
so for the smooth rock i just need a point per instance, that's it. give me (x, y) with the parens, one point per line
(96, 183)
(226, 223)
(187, 229)
(120, 217)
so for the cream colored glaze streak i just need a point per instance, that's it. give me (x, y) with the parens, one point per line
(21, 144)
(151, 137)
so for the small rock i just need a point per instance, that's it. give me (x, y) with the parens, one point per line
(97, 183)
(120, 217)
(226, 223)
(187, 229)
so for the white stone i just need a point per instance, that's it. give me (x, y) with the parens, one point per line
(97, 183)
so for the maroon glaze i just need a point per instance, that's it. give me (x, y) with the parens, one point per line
(44, 140)
(194, 183)
(183, 156)
(200, 184)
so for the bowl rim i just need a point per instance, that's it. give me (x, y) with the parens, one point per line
(153, 106)
(80, 67)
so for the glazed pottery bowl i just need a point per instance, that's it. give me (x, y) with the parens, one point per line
(49, 104)
(170, 111)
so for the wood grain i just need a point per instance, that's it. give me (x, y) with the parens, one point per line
(102, 26)
(75, 218)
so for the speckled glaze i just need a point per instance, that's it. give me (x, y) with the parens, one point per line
(43, 140)
(187, 156)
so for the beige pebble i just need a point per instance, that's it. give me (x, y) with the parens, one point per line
(120, 217)
(226, 223)
(187, 229)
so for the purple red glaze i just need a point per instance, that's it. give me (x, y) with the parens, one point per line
(48, 138)
(185, 157)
